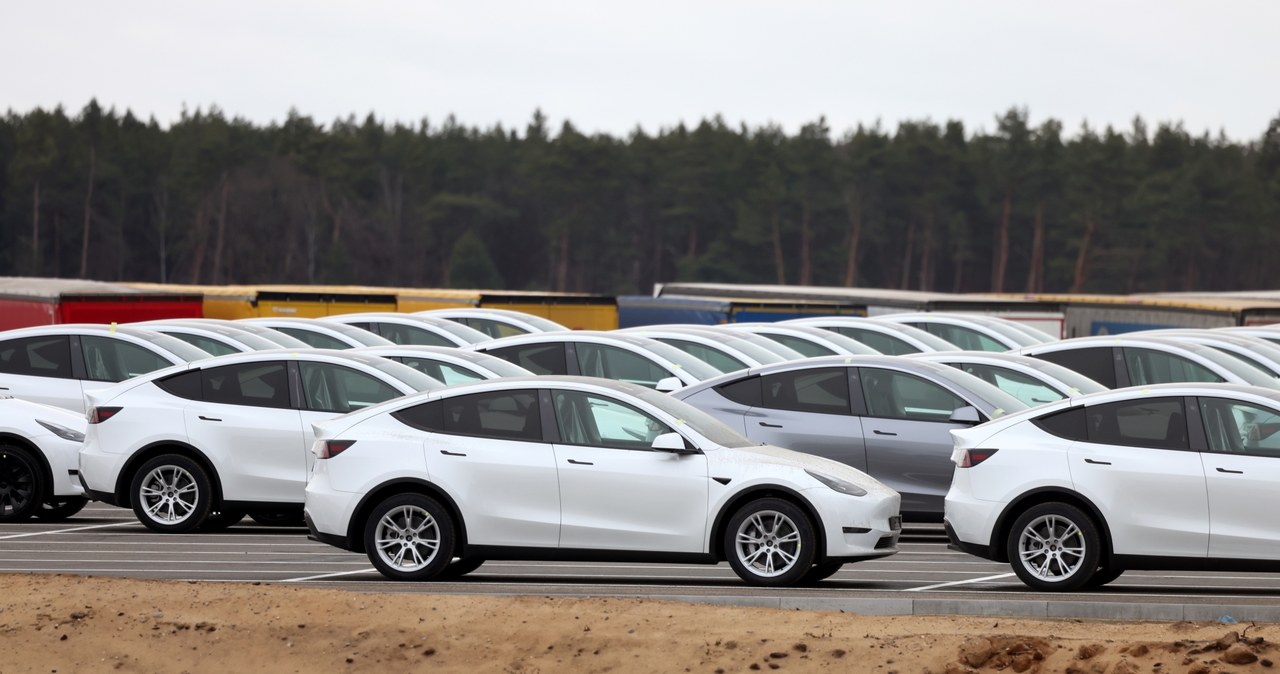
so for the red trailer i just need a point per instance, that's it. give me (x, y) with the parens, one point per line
(47, 301)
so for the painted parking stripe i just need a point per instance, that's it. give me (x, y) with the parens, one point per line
(64, 531)
(959, 582)
(367, 569)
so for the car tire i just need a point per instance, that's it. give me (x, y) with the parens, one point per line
(409, 537)
(460, 567)
(222, 520)
(1054, 547)
(279, 519)
(20, 486)
(1103, 576)
(770, 542)
(821, 572)
(171, 494)
(60, 508)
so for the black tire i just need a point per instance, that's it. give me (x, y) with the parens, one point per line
(409, 524)
(1054, 547)
(765, 532)
(221, 520)
(20, 484)
(171, 494)
(1103, 576)
(278, 519)
(460, 567)
(59, 508)
(820, 572)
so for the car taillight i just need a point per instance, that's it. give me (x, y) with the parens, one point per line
(98, 415)
(973, 457)
(332, 448)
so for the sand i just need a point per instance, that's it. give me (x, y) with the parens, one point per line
(72, 624)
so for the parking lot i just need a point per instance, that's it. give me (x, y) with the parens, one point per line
(923, 578)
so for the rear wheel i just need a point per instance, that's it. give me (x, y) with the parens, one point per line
(171, 494)
(821, 572)
(770, 542)
(60, 508)
(1054, 547)
(19, 484)
(409, 537)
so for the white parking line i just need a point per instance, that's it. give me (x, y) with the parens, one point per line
(328, 575)
(958, 582)
(64, 531)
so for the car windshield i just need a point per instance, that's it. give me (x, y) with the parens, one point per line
(693, 366)
(702, 423)
(406, 374)
(1245, 371)
(172, 344)
(1071, 378)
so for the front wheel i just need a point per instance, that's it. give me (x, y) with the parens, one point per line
(770, 542)
(409, 537)
(821, 572)
(60, 508)
(171, 494)
(19, 484)
(1054, 547)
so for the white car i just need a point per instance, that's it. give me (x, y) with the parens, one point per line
(496, 322)
(1031, 380)
(414, 329)
(228, 435)
(726, 352)
(448, 364)
(57, 364)
(218, 340)
(1169, 477)
(891, 339)
(1136, 359)
(809, 341)
(577, 468)
(319, 333)
(971, 332)
(39, 445)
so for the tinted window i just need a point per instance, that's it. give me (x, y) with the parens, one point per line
(315, 339)
(1147, 366)
(806, 348)
(37, 356)
(744, 392)
(203, 343)
(1150, 422)
(879, 341)
(610, 362)
(445, 372)
(256, 384)
(333, 388)
(408, 334)
(536, 358)
(424, 417)
(596, 421)
(1095, 363)
(491, 327)
(966, 338)
(1239, 427)
(714, 357)
(1068, 424)
(822, 390)
(108, 359)
(1024, 387)
(184, 385)
(898, 395)
(509, 415)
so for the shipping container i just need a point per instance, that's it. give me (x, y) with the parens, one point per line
(25, 302)
(640, 310)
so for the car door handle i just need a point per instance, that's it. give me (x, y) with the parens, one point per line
(204, 418)
(581, 463)
(769, 425)
(1233, 472)
(449, 453)
(1096, 462)
(878, 432)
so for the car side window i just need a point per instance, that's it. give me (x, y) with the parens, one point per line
(886, 344)
(897, 395)
(505, 415)
(446, 372)
(966, 338)
(37, 356)
(1068, 424)
(327, 387)
(1148, 366)
(425, 417)
(714, 357)
(597, 421)
(494, 329)
(408, 334)
(253, 384)
(1150, 422)
(536, 358)
(314, 339)
(1024, 387)
(744, 391)
(109, 359)
(823, 390)
(806, 348)
(203, 343)
(1237, 427)
(610, 362)
(1096, 363)
(184, 385)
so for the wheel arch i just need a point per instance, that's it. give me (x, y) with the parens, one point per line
(1000, 533)
(757, 492)
(355, 527)
(42, 462)
(148, 452)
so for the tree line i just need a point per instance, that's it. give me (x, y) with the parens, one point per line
(217, 199)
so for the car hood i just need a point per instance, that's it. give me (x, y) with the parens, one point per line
(767, 459)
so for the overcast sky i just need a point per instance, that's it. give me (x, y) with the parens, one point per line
(611, 66)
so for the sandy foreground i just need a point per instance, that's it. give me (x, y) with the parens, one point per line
(67, 624)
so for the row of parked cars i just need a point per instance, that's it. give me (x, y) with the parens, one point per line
(436, 441)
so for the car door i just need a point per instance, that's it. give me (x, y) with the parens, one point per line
(906, 428)
(809, 410)
(1242, 471)
(1148, 366)
(487, 449)
(611, 362)
(39, 369)
(1136, 465)
(616, 491)
(245, 422)
(329, 389)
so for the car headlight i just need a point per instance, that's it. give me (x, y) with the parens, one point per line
(837, 484)
(62, 431)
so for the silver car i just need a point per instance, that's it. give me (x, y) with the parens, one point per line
(888, 416)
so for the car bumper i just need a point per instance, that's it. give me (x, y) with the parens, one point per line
(98, 471)
(857, 528)
(64, 464)
(970, 523)
(328, 512)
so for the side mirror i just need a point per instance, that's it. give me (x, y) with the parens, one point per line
(966, 415)
(669, 384)
(671, 442)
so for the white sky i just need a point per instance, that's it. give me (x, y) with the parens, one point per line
(611, 66)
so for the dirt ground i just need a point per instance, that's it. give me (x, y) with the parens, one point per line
(71, 624)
